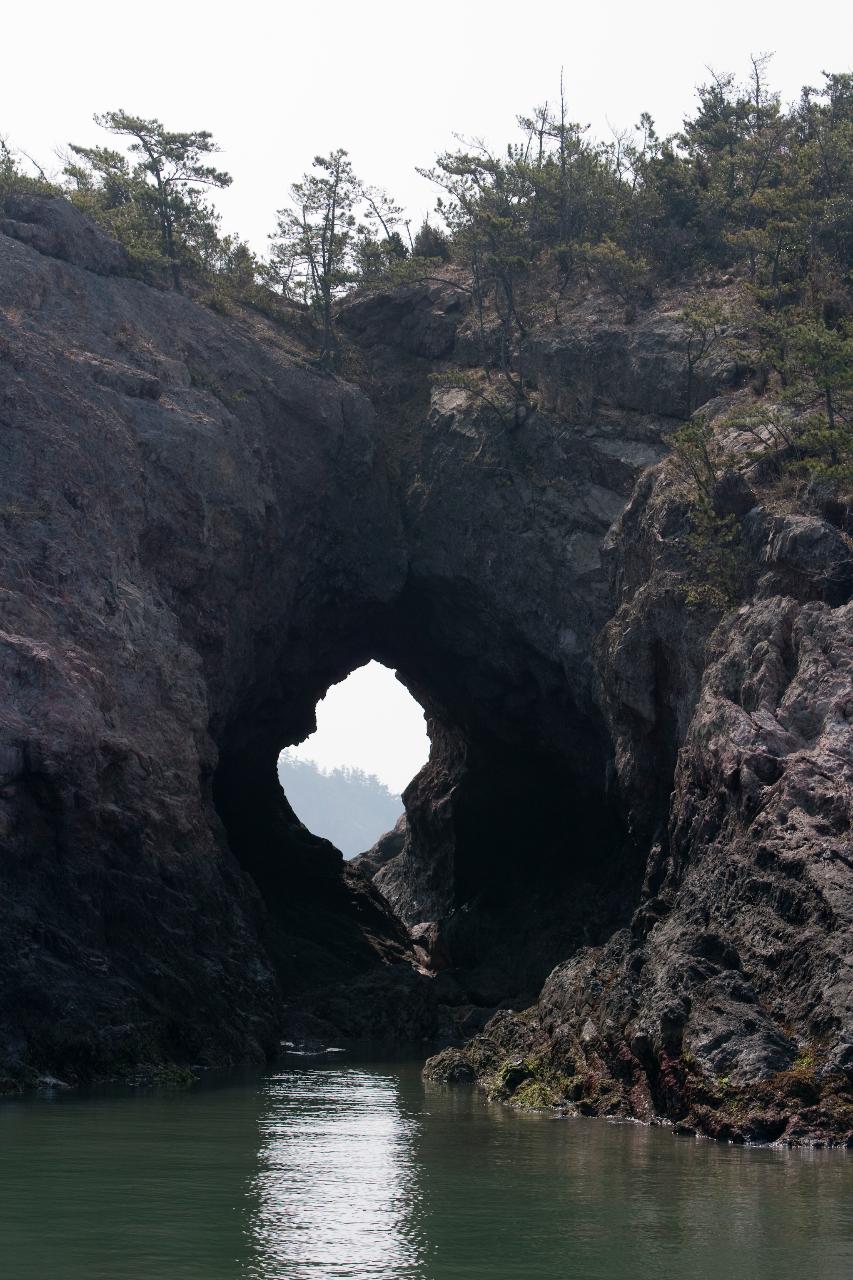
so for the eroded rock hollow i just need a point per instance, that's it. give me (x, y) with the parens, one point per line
(624, 881)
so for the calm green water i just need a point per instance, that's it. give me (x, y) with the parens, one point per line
(363, 1172)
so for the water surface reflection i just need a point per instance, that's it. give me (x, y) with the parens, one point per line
(337, 1190)
(360, 1172)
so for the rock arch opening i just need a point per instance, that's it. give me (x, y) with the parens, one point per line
(512, 853)
(345, 780)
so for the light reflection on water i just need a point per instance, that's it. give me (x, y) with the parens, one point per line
(361, 1172)
(337, 1189)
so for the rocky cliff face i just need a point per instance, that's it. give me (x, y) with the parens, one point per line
(644, 806)
(178, 501)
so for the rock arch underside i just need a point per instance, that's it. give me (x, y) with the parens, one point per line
(624, 882)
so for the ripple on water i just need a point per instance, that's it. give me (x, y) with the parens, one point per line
(337, 1185)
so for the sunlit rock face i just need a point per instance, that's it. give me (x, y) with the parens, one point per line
(200, 536)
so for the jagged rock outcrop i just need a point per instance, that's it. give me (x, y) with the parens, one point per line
(725, 1004)
(388, 846)
(54, 228)
(641, 805)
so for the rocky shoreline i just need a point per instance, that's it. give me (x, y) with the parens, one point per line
(624, 881)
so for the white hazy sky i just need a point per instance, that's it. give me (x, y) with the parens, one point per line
(370, 721)
(391, 82)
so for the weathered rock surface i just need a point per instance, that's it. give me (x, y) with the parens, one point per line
(388, 846)
(645, 807)
(54, 227)
(726, 1003)
(173, 492)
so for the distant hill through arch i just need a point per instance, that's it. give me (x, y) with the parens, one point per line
(345, 805)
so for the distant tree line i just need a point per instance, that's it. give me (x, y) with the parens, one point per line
(345, 805)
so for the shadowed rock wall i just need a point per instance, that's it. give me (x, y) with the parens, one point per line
(177, 506)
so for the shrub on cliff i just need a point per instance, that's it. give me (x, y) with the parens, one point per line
(15, 181)
(623, 275)
(807, 419)
(431, 243)
(715, 554)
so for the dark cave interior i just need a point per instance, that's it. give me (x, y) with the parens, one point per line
(515, 852)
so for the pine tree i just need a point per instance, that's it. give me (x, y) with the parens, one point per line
(156, 194)
(313, 247)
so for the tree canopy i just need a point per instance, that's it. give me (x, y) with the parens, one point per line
(747, 190)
